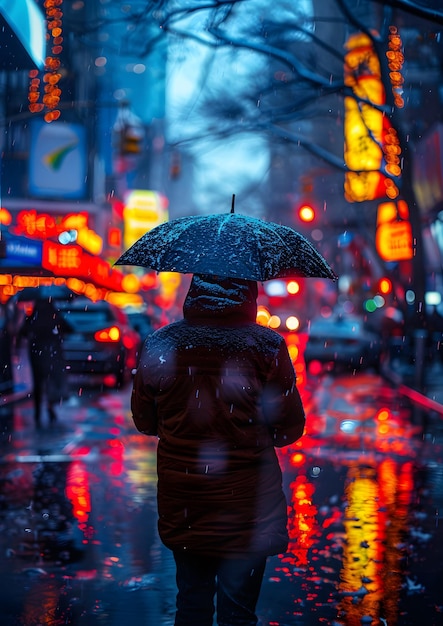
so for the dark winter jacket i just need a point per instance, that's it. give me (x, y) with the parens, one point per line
(219, 392)
(44, 330)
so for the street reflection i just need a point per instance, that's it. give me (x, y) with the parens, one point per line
(303, 522)
(349, 525)
(375, 530)
(78, 516)
(78, 493)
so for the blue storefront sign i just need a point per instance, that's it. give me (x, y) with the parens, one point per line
(22, 251)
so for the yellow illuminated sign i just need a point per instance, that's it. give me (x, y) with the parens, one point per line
(393, 237)
(372, 148)
(143, 210)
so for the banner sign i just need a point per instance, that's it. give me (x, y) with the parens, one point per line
(23, 250)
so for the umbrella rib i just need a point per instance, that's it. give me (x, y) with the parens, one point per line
(223, 223)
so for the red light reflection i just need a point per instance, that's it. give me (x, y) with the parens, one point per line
(78, 492)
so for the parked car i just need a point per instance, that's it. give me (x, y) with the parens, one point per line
(102, 346)
(342, 341)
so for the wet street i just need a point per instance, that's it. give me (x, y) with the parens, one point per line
(78, 538)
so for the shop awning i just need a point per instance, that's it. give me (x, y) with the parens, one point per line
(22, 35)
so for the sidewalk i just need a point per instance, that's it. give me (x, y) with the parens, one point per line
(20, 388)
(421, 383)
(20, 392)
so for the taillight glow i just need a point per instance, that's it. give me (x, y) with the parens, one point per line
(293, 287)
(111, 334)
(128, 342)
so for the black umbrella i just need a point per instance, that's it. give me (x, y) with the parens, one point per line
(45, 292)
(228, 245)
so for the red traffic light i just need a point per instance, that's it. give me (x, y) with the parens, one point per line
(306, 213)
(384, 286)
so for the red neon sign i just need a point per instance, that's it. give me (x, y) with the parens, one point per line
(71, 260)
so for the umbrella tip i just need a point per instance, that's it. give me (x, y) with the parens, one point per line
(233, 203)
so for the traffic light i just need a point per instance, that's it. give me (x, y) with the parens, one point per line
(384, 286)
(131, 140)
(306, 213)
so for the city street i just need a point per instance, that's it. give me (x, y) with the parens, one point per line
(78, 533)
(203, 166)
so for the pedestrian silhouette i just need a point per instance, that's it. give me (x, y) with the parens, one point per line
(44, 330)
(6, 377)
(219, 391)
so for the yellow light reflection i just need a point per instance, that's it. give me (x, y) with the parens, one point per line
(274, 321)
(263, 315)
(131, 283)
(360, 576)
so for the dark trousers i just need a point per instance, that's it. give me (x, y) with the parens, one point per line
(235, 582)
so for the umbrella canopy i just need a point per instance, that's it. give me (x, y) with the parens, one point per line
(45, 292)
(228, 245)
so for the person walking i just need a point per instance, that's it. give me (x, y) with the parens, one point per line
(6, 375)
(219, 391)
(44, 329)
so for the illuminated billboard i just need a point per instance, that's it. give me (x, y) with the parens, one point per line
(143, 210)
(58, 160)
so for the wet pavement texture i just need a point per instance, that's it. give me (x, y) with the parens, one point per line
(78, 534)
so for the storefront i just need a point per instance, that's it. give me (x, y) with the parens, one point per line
(39, 244)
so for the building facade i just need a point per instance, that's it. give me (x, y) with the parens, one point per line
(67, 162)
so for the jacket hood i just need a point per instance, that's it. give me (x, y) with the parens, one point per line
(214, 297)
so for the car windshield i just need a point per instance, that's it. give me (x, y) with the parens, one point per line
(86, 315)
(341, 325)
